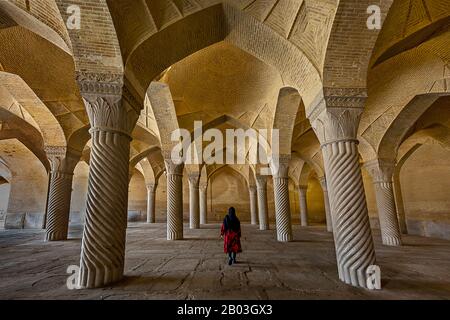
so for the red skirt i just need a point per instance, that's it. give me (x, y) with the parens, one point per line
(232, 241)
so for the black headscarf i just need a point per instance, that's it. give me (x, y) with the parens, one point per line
(231, 221)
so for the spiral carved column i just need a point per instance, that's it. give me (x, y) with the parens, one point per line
(194, 206)
(174, 200)
(302, 190)
(381, 172)
(58, 209)
(112, 121)
(336, 127)
(263, 214)
(151, 198)
(281, 196)
(203, 204)
(60, 192)
(326, 200)
(253, 204)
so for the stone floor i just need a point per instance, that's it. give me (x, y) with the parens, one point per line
(195, 268)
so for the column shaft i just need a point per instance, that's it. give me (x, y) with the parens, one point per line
(303, 206)
(151, 199)
(381, 171)
(203, 205)
(390, 230)
(282, 209)
(263, 214)
(194, 206)
(353, 239)
(326, 201)
(58, 207)
(103, 245)
(174, 201)
(253, 205)
(399, 203)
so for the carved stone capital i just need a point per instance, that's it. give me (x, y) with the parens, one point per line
(337, 124)
(106, 113)
(336, 117)
(261, 182)
(62, 159)
(151, 187)
(203, 187)
(381, 170)
(173, 168)
(280, 166)
(194, 179)
(252, 189)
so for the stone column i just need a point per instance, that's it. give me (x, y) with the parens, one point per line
(151, 198)
(302, 190)
(112, 121)
(60, 192)
(263, 214)
(335, 121)
(253, 204)
(323, 183)
(381, 172)
(174, 174)
(203, 204)
(194, 206)
(399, 202)
(281, 194)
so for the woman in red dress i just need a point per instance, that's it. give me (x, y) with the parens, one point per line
(231, 232)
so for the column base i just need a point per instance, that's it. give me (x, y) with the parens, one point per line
(392, 241)
(56, 236)
(285, 238)
(173, 236)
(98, 278)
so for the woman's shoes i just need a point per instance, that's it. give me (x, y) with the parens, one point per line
(230, 262)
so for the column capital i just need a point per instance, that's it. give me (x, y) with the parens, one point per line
(151, 186)
(252, 188)
(302, 188)
(173, 168)
(381, 170)
(337, 115)
(261, 181)
(203, 186)
(280, 166)
(194, 179)
(102, 94)
(62, 159)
